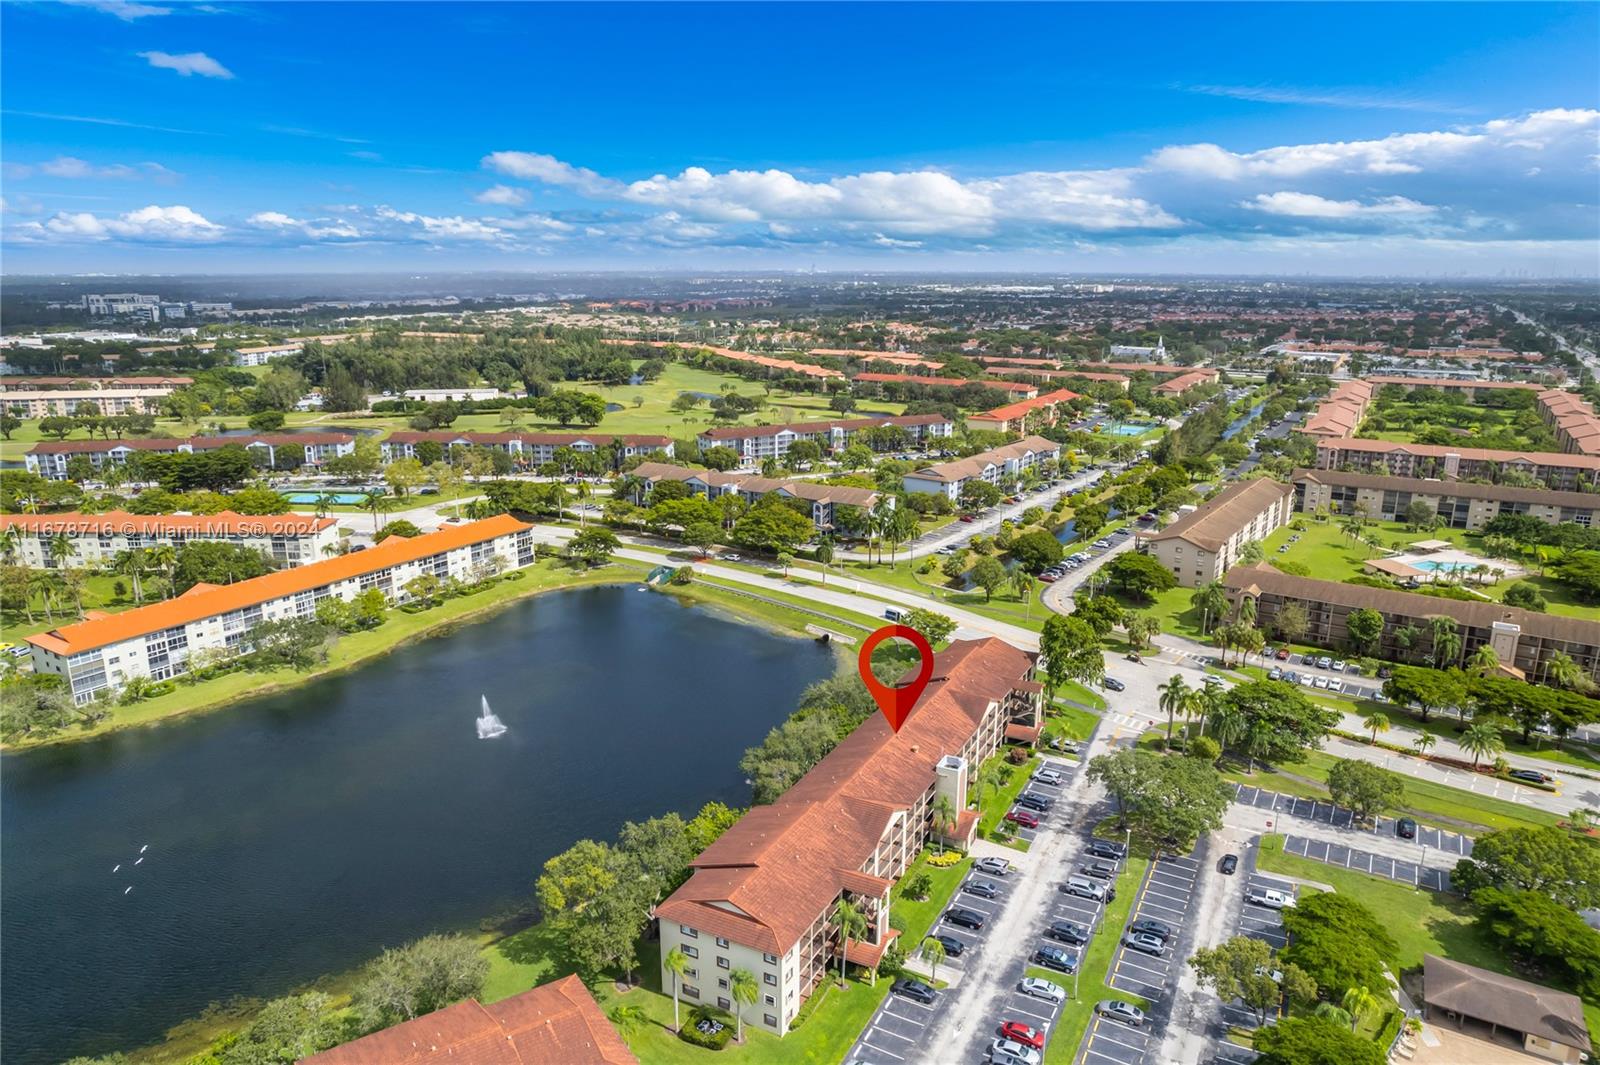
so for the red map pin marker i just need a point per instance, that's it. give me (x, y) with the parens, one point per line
(896, 703)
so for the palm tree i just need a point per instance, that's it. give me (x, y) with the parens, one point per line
(852, 925)
(944, 818)
(1481, 740)
(744, 990)
(1212, 601)
(990, 778)
(933, 953)
(61, 548)
(1566, 673)
(1483, 661)
(1023, 583)
(1376, 722)
(72, 582)
(1446, 639)
(1228, 725)
(131, 564)
(1357, 1001)
(629, 1018)
(164, 559)
(373, 502)
(1424, 743)
(1330, 1012)
(677, 963)
(1247, 610)
(1175, 697)
(8, 542)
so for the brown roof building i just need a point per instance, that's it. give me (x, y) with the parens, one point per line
(1459, 504)
(1555, 469)
(558, 1023)
(1013, 417)
(1521, 639)
(761, 897)
(1549, 1023)
(1201, 546)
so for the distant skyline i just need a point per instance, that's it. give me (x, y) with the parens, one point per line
(1364, 139)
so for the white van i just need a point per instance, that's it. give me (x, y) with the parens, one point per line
(895, 614)
(1273, 900)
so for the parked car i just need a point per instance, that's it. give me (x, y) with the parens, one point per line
(915, 990)
(953, 947)
(981, 888)
(962, 917)
(1026, 1034)
(1324, 662)
(1117, 1010)
(1113, 684)
(1035, 801)
(968, 517)
(1049, 578)
(1100, 868)
(1145, 943)
(1275, 673)
(1532, 776)
(1056, 958)
(1230, 862)
(1084, 888)
(1337, 665)
(1032, 985)
(1023, 818)
(1149, 926)
(1105, 848)
(1272, 900)
(1133, 656)
(1069, 932)
(1282, 655)
(1405, 828)
(1048, 776)
(992, 866)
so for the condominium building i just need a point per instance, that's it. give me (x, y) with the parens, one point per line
(1177, 386)
(287, 539)
(1553, 469)
(1522, 640)
(1459, 504)
(1015, 417)
(1205, 543)
(104, 652)
(876, 381)
(824, 499)
(49, 458)
(261, 354)
(1573, 421)
(761, 897)
(558, 1023)
(161, 385)
(757, 442)
(32, 403)
(993, 467)
(109, 304)
(528, 449)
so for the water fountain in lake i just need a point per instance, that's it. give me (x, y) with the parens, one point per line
(489, 726)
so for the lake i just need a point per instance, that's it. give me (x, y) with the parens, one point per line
(301, 833)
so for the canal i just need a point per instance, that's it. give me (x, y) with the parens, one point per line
(301, 833)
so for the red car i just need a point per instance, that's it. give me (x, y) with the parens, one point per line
(1018, 1032)
(968, 517)
(1283, 654)
(1048, 578)
(1023, 818)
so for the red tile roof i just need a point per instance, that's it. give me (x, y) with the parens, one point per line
(770, 876)
(1474, 454)
(1025, 406)
(942, 382)
(223, 523)
(740, 432)
(558, 1023)
(114, 628)
(92, 447)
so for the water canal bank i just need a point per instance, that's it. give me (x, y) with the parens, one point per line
(304, 831)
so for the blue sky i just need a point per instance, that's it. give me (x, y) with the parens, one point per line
(1324, 139)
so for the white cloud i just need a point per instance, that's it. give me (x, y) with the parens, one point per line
(503, 196)
(531, 166)
(453, 227)
(72, 168)
(187, 64)
(1346, 98)
(316, 229)
(1307, 205)
(153, 223)
(126, 10)
(273, 220)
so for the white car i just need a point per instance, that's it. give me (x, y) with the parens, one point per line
(1011, 1050)
(1044, 989)
(1047, 776)
(1319, 682)
(1272, 900)
(992, 866)
(1336, 685)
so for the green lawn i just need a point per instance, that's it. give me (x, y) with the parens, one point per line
(1004, 605)
(1422, 922)
(99, 593)
(996, 804)
(1428, 802)
(1093, 966)
(724, 593)
(1172, 609)
(919, 916)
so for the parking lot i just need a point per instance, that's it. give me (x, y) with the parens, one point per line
(1361, 861)
(1258, 922)
(899, 1029)
(1428, 837)
(1165, 896)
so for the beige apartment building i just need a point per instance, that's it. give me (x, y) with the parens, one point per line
(761, 897)
(1563, 472)
(1202, 545)
(1459, 504)
(97, 539)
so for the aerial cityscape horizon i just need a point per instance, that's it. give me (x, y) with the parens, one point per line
(799, 533)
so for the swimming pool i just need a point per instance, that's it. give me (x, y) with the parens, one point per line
(1131, 429)
(1431, 565)
(343, 499)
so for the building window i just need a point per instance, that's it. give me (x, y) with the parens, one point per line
(770, 1000)
(722, 983)
(770, 959)
(769, 979)
(721, 942)
(691, 972)
(691, 951)
(691, 991)
(690, 932)
(723, 1003)
(722, 963)
(772, 1022)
